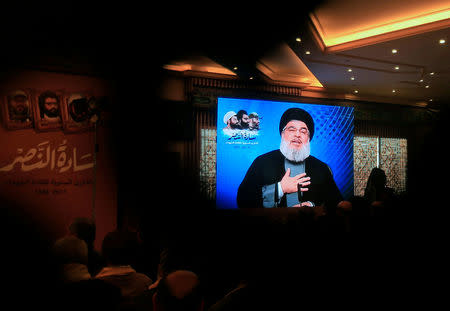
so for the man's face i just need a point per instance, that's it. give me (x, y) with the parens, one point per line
(245, 120)
(295, 134)
(19, 105)
(255, 122)
(51, 107)
(233, 122)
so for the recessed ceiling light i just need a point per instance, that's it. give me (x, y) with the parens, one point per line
(352, 78)
(442, 41)
(235, 68)
(307, 52)
(396, 67)
(355, 91)
(349, 69)
(251, 78)
(298, 39)
(393, 91)
(394, 51)
(421, 80)
(431, 73)
(430, 100)
(427, 86)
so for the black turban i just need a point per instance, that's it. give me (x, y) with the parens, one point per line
(300, 115)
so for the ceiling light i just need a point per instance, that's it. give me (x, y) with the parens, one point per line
(431, 73)
(385, 27)
(235, 68)
(307, 52)
(251, 78)
(421, 80)
(430, 100)
(442, 41)
(352, 78)
(298, 39)
(394, 51)
(393, 91)
(349, 69)
(427, 86)
(355, 91)
(396, 67)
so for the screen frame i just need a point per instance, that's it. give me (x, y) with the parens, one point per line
(288, 102)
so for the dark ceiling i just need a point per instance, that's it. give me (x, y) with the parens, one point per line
(103, 36)
(126, 41)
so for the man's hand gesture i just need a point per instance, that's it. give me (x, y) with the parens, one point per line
(289, 184)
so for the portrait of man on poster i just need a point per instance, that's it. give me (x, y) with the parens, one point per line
(49, 106)
(17, 110)
(47, 110)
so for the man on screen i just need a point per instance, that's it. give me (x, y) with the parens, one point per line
(290, 176)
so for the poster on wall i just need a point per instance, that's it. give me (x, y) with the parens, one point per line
(47, 110)
(48, 177)
(250, 130)
(17, 109)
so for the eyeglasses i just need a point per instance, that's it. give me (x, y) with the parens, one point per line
(292, 130)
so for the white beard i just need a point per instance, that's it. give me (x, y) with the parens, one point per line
(294, 155)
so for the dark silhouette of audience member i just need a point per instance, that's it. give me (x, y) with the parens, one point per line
(237, 299)
(252, 295)
(85, 229)
(71, 257)
(256, 276)
(376, 191)
(119, 249)
(380, 199)
(171, 259)
(179, 290)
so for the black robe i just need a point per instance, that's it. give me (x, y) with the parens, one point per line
(268, 169)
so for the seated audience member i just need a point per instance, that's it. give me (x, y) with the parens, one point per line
(237, 299)
(71, 256)
(171, 259)
(256, 284)
(119, 250)
(376, 191)
(85, 229)
(179, 290)
(253, 295)
(381, 200)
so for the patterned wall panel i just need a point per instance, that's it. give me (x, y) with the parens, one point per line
(364, 159)
(393, 160)
(208, 162)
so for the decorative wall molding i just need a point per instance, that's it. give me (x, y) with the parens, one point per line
(224, 87)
